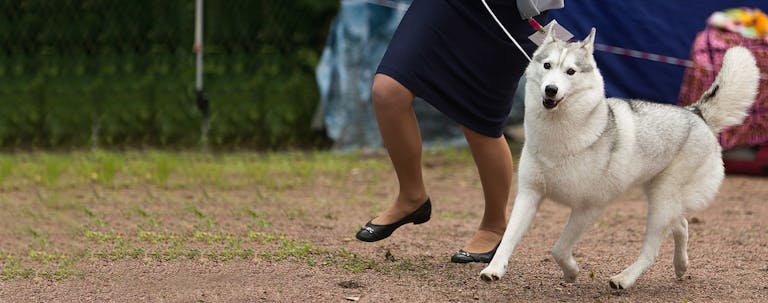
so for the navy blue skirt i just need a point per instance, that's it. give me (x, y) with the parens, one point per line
(452, 54)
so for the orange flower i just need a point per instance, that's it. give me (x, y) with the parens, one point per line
(761, 22)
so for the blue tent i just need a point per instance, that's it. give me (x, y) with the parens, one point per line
(363, 28)
(660, 27)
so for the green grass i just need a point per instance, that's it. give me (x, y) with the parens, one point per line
(69, 209)
(177, 170)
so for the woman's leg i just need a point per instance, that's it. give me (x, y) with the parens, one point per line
(494, 164)
(393, 105)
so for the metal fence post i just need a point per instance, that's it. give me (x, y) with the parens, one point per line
(202, 100)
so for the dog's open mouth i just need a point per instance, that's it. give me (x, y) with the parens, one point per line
(550, 103)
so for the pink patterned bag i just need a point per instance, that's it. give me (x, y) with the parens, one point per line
(707, 54)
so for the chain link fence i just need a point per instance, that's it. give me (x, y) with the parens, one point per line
(107, 73)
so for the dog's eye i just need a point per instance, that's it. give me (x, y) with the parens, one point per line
(570, 72)
(547, 65)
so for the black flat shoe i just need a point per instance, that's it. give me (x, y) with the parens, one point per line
(375, 232)
(467, 257)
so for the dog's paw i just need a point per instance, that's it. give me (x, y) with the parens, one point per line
(492, 273)
(681, 266)
(619, 282)
(571, 277)
(570, 271)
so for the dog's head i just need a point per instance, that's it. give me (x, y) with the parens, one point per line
(561, 70)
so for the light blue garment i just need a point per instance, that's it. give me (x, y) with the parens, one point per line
(357, 40)
(530, 8)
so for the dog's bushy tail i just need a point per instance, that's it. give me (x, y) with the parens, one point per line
(725, 103)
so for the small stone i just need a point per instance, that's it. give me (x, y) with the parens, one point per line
(389, 257)
(350, 284)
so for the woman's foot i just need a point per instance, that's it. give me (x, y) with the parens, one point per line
(477, 249)
(373, 232)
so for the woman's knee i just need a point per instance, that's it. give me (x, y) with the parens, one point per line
(387, 92)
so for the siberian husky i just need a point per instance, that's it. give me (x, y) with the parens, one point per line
(583, 150)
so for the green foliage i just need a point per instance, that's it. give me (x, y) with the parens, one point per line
(79, 73)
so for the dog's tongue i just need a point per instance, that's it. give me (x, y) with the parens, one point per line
(549, 103)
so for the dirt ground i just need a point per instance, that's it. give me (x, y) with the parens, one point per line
(728, 253)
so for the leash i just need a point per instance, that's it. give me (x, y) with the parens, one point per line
(658, 58)
(507, 32)
(598, 46)
(614, 49)
(602, 47)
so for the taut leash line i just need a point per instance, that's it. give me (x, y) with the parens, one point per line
(507, 32)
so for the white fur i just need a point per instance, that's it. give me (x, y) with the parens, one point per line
(589, 149)
(736, 90)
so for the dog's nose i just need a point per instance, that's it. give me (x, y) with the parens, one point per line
(550, 90)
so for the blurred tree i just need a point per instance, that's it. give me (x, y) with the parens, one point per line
(75, 73)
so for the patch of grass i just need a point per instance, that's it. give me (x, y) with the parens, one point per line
(217, 247)
(39, 239)
(154, 237)
(210, 238)
(102, 237)
(57, 202)
(108, 205)
(11, 268)
(95, 218)
(207, 174)
(403, 265)
(54, 167)
(273, 171)
(52, 266)
(6, 168)
(350, 261)
(44, 257)
(147, 220)
(207, 220)
(287, 248)
(259, 218)
(296, 213)
(109, 165)
(264, 238)
(164, 165)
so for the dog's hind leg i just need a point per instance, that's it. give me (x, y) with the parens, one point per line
(655, 232)
(526, 204)
(680, 233)
(579, 221)
(664, 209)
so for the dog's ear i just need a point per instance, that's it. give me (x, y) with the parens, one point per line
(589, 41)
(550, 37)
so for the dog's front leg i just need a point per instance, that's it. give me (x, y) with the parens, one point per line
(523, 212)
(580, 220)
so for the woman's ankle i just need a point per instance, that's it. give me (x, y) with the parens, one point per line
(483, 241)
(412, 199)
(399, 209)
